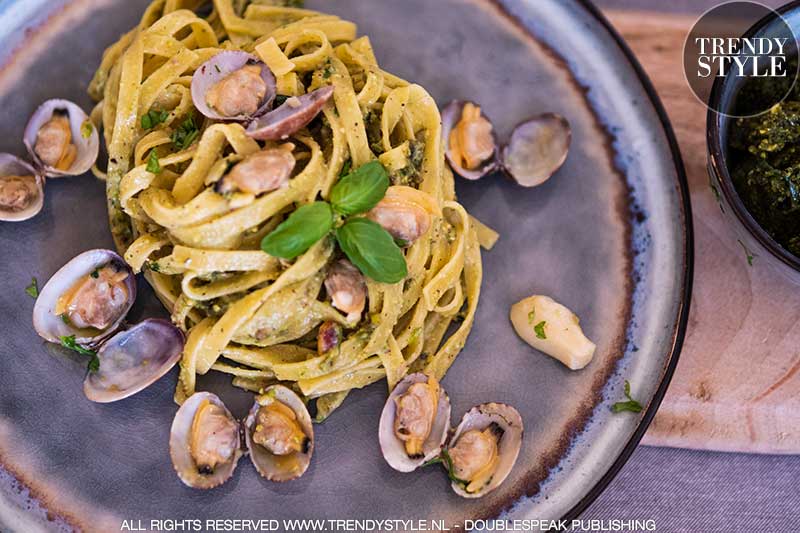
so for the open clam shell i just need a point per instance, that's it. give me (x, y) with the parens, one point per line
(84, 136)
(180, 445)
(537, 149)
(280, 467)
(393, 448)
(52, 326)
(451, 116)
(292, 116)
(509, 444)
(218, 68)
(22, 197)
(133, 359)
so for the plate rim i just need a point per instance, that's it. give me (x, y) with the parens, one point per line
(688, 268)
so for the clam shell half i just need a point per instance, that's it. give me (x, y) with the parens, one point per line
(451, 116)
(50, 326)
(274, 467)
(13, 166)
(393, 448)
(180, 447)
(480, 417)
(291, 117)
(216, 69)
(133, 359)
(537, 149)
(88, 146)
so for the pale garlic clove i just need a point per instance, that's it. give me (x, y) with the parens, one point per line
(552, 329)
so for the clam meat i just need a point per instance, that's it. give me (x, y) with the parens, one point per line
(414, 422)
(21, 190)
(233, 85)
(204, 442)
(470, 142)
(261, 172)
(88, 298)
(484, 448)
(279, 434)
(347, 289)
(61, 139)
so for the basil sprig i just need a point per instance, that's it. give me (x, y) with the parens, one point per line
(300, 231)
(368, 246)
(360, 191)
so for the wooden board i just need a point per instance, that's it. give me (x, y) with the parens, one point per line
(737, 386)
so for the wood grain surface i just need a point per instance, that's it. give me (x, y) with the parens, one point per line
(737, 386)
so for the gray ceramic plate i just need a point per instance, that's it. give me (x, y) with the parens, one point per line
(609, 236)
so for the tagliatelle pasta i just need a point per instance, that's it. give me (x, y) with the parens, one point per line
(246, 313)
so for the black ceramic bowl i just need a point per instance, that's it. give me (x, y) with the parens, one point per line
(758, 245)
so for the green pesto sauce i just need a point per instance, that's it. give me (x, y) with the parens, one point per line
(765, 160)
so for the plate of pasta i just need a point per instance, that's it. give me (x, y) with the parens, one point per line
(308, 233)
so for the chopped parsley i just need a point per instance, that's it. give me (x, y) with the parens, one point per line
(531, 315)
(631, 405)
(70, 343)
(186, 133)
(87, 129)
(153, 118)
(539, 329)
(447, 461)
(95, 273)
(152, 163)
(33, 289)
(154, 266)
(281, 99)
(750, 256)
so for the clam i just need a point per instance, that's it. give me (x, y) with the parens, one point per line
(204, 442)
(88, 298)
(484, 448)
(61, 139)
(537, 149)
(406, 213)
(414, 422)
(261, 172)
(279, 434)
(293, 115)
(233, 85)
(21, 189)
(347, 289)
(133, 359)
(469, 140)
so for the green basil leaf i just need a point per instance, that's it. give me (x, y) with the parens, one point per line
(372, 250)
(300, 231)
(361, 190)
